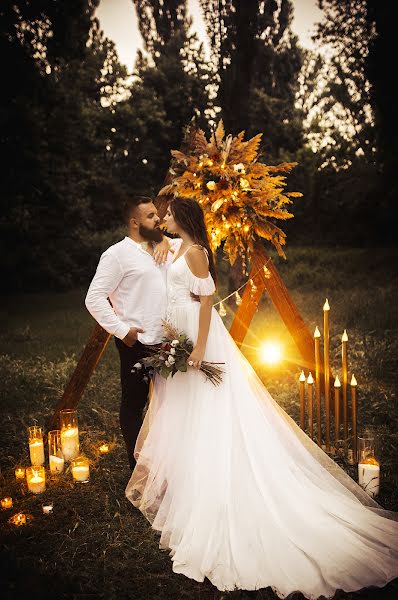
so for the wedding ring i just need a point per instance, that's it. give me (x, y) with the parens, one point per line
(190, 362)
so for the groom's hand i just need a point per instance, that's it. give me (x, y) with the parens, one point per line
(131, 337)
(161, 251)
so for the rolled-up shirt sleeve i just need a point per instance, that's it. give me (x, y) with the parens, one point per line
(106, 279)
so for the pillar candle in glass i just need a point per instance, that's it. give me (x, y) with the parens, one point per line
(55, 456)
(317, 342)
(344, 341)
(368, 466)
(337, 386)
(36, 445)
(326, 309)
(302, 400)
(69, 433)
(80, 467)
(310, 384)
(36, 479)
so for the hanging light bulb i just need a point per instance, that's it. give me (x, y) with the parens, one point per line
(221, 311)
(253, 285)
(238, 299)
(267, 272)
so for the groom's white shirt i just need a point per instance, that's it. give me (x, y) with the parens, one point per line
(136, 286)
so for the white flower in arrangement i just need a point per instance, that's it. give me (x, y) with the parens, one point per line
(137, 366)
(175, 343)
(172, 350)
(211, 185)
(171, 360)
(239, 168)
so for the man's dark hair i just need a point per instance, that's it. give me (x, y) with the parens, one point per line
(131, 203)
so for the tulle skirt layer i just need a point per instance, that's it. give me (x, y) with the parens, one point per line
(239, 493)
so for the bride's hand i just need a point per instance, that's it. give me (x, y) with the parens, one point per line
(161, 251)
(195, 358)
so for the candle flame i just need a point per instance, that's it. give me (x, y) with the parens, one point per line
(104, 448)
(310, 379)
(302, 376)
(345, 336)
(326, 305)
(337, 383)
(353, 381)
(317, 333)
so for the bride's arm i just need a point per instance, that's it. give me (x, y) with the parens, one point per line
(197, 262)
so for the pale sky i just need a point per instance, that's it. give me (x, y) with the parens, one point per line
(118, 19)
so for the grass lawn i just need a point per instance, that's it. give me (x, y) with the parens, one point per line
(95, 545)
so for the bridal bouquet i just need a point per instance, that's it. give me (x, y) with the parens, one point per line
(171, 357)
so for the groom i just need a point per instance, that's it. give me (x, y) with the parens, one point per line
(132, 274)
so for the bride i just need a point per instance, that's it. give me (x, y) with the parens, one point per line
(238, 492)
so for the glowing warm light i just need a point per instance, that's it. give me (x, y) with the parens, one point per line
(345, 336)
(19, 519)
(6, 502)
(337, 382)
(302, 376)
(317, 333)
(326, 305)
(271, 353)
(353, 381)
(20, 473)
(104, 448)
(310, 379)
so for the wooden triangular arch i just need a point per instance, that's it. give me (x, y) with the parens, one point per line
(243, 317)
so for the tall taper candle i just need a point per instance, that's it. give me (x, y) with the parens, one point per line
(310, 383)
(317, 341)
(354, 415)
(326, 309)
(302, 400)
(337, 386)
(344, 341)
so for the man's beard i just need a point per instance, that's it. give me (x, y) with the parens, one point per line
(153, 235)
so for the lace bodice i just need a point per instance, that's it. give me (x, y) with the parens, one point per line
(181, 282)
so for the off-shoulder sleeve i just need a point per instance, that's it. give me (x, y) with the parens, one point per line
(200, 286)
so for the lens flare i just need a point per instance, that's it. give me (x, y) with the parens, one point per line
(271, 353)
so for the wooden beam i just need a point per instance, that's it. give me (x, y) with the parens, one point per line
(282, 302)
(81, 375)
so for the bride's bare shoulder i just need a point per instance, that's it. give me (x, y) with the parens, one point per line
(197, 262)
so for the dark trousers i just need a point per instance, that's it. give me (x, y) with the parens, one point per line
(134, 394)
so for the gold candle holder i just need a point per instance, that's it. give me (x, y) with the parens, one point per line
(326, 309)
(337, 386)
(344, 341)
(353, 385)
(310, 383)
(317, 342)
(36, 479)
(55, 456)
(302, 400)
(69, 433)
(36, 445)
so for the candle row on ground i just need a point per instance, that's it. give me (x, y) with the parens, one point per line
(63, 444)
(36, 475)
(310, 404)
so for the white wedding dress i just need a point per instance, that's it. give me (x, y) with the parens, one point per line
(239, 493)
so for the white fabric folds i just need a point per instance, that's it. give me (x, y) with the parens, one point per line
(239, 493)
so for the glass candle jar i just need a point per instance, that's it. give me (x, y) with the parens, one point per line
(36, 479)
(69, 434)
(36, 445)
(80, 469)
(55, 455)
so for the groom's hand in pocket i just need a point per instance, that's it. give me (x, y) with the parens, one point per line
(131, 337)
